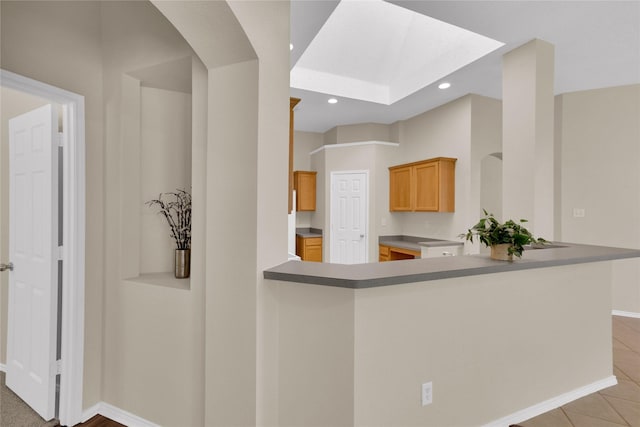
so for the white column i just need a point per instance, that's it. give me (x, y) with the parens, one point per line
(528, 144)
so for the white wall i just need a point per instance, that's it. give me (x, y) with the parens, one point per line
(600, 153)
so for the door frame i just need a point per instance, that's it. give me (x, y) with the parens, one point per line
(334, 174)
(73, 237)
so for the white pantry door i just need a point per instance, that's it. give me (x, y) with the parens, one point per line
(349, 213)
(33, 241)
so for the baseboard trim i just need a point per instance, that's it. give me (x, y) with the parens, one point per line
(116, 414)
(3, 367)
(553, 403)
(625, 314)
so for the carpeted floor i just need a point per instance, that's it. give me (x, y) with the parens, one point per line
(15, 413)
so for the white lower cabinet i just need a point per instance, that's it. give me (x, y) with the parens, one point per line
(439, 251)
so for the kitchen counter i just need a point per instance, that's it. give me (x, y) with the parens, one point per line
(458, 322)
(415, 243)
(308, 232)
(359, 276)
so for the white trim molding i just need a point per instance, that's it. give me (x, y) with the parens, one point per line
(625, 314)
(3, 367)
(72, 345)
(353, 144)
(116, 414)
(553, 403)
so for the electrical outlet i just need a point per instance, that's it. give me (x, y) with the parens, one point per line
(427, 393)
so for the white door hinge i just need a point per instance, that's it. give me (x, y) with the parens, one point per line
(59, 367)
(60, 253)
(60, 139)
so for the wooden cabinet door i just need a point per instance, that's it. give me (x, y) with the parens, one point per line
(313, 253)
(383, 253)
(305, 185)
(400, 189)
(427, 185)
(309, 248)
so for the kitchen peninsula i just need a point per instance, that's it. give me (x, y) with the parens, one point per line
(481, 331)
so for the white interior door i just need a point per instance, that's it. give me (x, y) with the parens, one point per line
(349, 216)
(33, 241)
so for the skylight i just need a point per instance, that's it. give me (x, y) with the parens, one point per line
(380, 52)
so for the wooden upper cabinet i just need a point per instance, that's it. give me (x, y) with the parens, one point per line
(304, 183)
(425, 186)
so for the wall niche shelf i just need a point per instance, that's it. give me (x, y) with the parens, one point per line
(156, 136)
(166, 280)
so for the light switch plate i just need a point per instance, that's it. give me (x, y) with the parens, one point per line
(578, 212)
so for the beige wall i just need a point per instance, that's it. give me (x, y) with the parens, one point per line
(70, 33)
(501, 331)
(146, 325)
(304, 144)
(12, 104)
(316, 345)
(104, 42)
(599, 135)
(486, 170)
(95, 45)
(528, 115)
(165, 165)
(363, 132)
(240, 361)
(320, 217)
(442, 132)
(367, 351)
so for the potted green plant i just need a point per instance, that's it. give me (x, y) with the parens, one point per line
(177, 212)
(505, 239)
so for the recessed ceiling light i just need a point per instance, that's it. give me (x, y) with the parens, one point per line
(290, 46)
(444, 85)
(332, 101)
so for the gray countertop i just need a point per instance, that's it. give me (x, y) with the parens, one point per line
(420, 270)
(308, 232)
(415, 243)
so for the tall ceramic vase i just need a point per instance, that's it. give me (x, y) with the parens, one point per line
(183, 263)
(501, 252)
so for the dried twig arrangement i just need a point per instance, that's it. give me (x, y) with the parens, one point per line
(178, 214)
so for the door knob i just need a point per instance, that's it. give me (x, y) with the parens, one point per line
(4, 267)
(361, 236)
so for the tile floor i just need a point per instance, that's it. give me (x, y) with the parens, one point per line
(614, 406)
